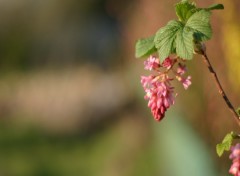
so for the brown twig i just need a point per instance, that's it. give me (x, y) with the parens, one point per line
(220, 89)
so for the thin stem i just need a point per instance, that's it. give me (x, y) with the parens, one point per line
(236, 136)
(220, 89)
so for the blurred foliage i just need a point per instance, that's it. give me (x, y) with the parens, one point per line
(183, 152)
(51, 32)
(231, 42)
(29, 151)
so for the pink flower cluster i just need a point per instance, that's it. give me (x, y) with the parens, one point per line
(158, 88)
(159, 93)
(235, 156)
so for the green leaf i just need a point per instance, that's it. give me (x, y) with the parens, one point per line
(179, 37)
(226, 144)
(215, 7)
(165, 39)
(184, 43)
(185, 10)
(145, 47)
(199, 23)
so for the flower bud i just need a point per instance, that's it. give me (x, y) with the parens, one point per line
(199, 48)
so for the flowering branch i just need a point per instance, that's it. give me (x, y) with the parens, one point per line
(220, 89)
(180, 38)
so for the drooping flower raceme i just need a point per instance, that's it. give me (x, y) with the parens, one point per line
(159, 94)
(235, 156)
(159, 91)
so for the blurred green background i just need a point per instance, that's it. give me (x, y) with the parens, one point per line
(71, 103)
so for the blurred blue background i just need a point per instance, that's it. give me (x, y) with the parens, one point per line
(71, 102)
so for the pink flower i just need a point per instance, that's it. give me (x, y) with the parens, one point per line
(159, 94)
(186, 82)
(235, 168)
(181, 69)
(152, 63)
(146, 81)
(168, 63)
(235, 156)
(235, 151)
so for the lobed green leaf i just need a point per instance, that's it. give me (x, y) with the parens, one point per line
(199, 23)
(184, 43)
(184, 10)
(165, 39)
(145, 47)
(179, 37)
(225, 144)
